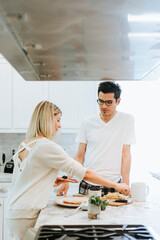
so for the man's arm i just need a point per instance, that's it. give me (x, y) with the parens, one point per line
(126, 163)
(81, 153)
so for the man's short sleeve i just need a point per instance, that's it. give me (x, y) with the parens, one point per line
(129, 137)
(82, 134)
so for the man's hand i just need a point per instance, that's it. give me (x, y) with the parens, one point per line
(63, 189)
(123, 188)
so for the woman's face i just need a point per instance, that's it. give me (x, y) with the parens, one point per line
(57, 122)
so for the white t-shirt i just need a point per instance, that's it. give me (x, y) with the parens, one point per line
(33, 178)
(105, 143)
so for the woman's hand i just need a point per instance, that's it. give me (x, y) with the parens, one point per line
(59, 181)
(63, 189)
(123, 188)
(65, 185)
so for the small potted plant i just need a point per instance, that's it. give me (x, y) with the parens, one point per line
(95, 205)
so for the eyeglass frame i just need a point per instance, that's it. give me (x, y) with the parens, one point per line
(106, 102)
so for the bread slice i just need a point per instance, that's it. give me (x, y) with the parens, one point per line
(114, 196)
(74, 200)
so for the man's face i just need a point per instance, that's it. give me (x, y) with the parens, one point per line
(111, 102)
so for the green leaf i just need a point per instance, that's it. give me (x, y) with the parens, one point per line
(96, 200)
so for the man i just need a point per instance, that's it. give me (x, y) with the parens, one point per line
(105, 140)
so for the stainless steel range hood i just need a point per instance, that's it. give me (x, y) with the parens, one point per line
(81, 40)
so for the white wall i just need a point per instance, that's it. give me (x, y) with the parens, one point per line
(142, 99)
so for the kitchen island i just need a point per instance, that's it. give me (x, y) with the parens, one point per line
(144, 213)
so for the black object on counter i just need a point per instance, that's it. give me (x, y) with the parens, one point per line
(9, 165)
(121, 200)
(3, 158)
(95, 188)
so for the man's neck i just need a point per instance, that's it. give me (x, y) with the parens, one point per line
(107, 118)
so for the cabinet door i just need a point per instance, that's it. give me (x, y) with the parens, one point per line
(87, 96)
(65, 96)
(1, 218)
(5, 94)
(6, 233)
(26, 95)
(77, 100)
(4, 189)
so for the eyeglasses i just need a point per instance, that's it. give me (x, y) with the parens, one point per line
(101, 102)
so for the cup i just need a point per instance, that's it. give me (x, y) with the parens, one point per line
(139, 191)
(94, 192)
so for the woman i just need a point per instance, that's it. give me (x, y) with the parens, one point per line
(37, 163)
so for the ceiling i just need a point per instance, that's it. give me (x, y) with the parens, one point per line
(82, 39)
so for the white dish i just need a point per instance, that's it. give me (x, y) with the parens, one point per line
(60, 202)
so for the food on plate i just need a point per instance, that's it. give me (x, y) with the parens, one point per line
(114, 196)
(71, 201)
(64, 177)
(74, 201)
(69, 179)
(80, 195)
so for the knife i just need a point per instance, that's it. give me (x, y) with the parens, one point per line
(75, 210)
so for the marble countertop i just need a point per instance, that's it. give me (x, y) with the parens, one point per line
(5, 177)
(146, 213)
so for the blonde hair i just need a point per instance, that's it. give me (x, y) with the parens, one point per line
(42, 120)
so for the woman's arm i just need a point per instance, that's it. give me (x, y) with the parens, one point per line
(93, 177)
(80, 158)
(57, 158)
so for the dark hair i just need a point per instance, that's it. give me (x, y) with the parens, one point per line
(110, 87)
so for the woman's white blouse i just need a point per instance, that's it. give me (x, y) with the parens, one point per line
(33, 178)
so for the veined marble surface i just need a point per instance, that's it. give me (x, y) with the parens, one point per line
(5, 177)
(146, 213)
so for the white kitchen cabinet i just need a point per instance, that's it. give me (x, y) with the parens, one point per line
(4, 189)
(77, 100)
(18, 98)
(65, 96)
(5, 94)
(87, 96)
(1, 218)
(26, 95)
(6, 234)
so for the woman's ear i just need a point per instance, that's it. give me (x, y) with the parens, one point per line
(52, 131)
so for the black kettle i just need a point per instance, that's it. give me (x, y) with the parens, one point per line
(9, 165)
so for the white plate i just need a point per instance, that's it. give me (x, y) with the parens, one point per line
(59, 201)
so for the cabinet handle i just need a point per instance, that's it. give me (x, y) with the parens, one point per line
(4, 190)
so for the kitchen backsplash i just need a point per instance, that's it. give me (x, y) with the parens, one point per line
(10, 141)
